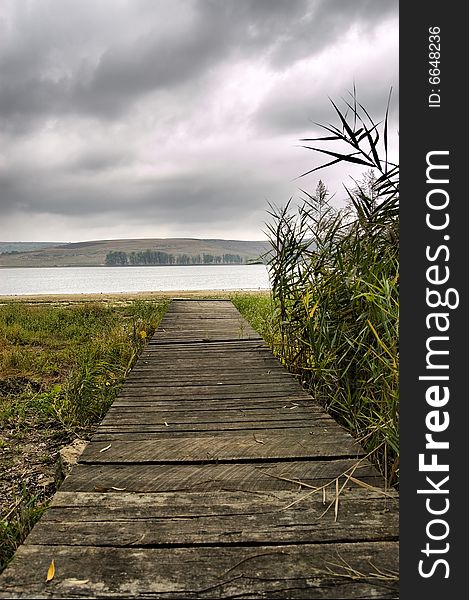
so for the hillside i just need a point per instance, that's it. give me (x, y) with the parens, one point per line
(25, 246)
(93, 253)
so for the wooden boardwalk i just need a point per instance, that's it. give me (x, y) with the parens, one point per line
(190, 486)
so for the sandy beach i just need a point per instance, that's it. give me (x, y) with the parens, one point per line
(125, 296)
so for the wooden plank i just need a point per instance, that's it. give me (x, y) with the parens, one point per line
(212, 378)
(230, 369)
(180, 413)
(234, 343)
(245, 381)
(171, 505)
(213, 365)
(280, 388)
(253, 476)
(156, 422)
(226, 349)
(281, 571)
(202, 337)
(145, 520)
(235, 324)
(230, 447)
(155, 419)
(138, 404)
(238, 347)
(215, 418)
(159, 433)
(187, 398)
(207, 360)
(209, 363)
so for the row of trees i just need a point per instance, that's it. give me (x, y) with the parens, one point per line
(156, 257)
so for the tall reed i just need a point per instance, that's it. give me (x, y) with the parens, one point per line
(335, 284)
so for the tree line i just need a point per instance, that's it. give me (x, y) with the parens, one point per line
(157, 257)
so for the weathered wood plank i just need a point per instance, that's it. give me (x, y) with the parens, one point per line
(146, 520)
(291, 571)
(230, 447)
(230, 370)
(160, 433)
(234, 347)
(138, 404)
(187, 395)
(216, 421)
(203, 335)
(181, 414)
(184, 379)
(247, 381)
(212, 419)
(207, 362)
(170, 505)
(254, 476)
(280, 388)
(154, 422)
(239, 345)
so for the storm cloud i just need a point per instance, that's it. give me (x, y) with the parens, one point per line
(166, 118)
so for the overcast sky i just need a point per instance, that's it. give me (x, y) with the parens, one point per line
(176, 118)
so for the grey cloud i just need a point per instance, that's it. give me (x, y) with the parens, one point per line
(120, 78)
(185, 200)
(100, 161)
(279, 114)
(104, 82)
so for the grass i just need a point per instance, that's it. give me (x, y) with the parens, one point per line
(258, 309)
(66, 363)
(18, 522)
(60, 369)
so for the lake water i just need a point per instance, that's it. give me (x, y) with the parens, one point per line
(95, 280)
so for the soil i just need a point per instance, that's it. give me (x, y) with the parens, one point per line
(28, 462)
(29, 454)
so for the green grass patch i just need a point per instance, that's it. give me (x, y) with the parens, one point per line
(259, 310)
(67, 363)
(61, 367)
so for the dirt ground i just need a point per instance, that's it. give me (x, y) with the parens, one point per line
(29, 466)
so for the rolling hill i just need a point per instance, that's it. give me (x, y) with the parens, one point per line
(93, 253)
(25, 246)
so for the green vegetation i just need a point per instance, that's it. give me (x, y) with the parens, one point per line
(334, 315)
(259, 310)
(66, 363)
(61, 368)
(156, 257)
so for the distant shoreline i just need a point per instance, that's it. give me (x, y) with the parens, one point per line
(125, 266)
(139, 252)
(127, 296)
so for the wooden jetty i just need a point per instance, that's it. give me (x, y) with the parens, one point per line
(213, 475)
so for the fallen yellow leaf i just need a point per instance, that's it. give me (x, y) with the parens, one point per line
(50, 571)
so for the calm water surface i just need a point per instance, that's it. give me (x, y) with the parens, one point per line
(89, 280)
